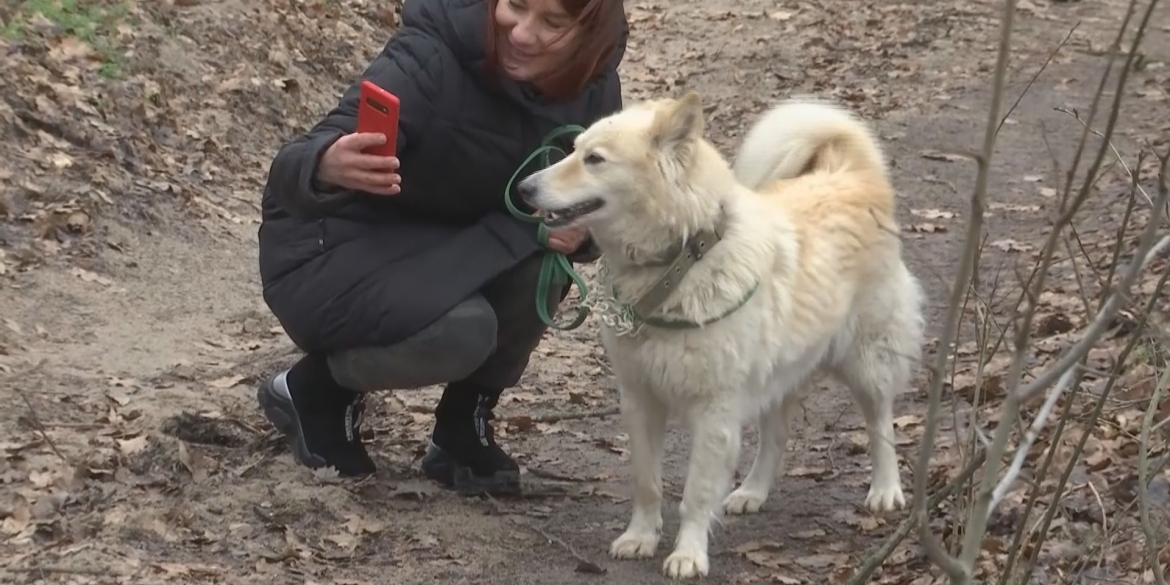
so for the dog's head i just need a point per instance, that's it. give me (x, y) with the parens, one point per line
(629, 167)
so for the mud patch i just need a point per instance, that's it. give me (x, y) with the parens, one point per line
(204, 430)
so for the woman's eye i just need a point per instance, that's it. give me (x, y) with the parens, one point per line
(593, 158)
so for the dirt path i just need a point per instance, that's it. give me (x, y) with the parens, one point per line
(138, 342)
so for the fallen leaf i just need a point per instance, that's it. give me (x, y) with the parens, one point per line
(1011, 245)
(226, 382)
(859, 521)
(41, 479)
(908, 420)
(1012, 207)
(61, 160)
(812, 472)
(928, 228)
(762, 554)
(943, 156)
(414, 490)
(132, 446)
(198, 464)
(823, 561)
(521, 423)
(18, 519)
(357, 525)
(346, 542)
(808, 534)
(90, 276)
(933, 213)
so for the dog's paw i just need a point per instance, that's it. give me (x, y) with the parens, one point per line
(634, 545)
(885, 498)
(743, 501)
(685, 564)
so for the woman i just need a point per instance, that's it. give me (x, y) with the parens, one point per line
(395, 279)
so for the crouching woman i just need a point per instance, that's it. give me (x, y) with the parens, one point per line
(393, 273)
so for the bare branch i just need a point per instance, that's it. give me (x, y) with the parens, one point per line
(1117, 154)
(875, 560)
(1038, 423)
(1036, 76)
(1144, 479)
(959, 573)
(1092, 419)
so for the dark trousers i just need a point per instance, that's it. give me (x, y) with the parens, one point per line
(484, 342)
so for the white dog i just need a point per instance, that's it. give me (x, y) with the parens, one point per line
(734, 289)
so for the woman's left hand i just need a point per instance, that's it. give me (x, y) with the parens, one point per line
(567, 241)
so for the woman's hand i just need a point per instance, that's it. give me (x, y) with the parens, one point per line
(567, 241)
(345, 165)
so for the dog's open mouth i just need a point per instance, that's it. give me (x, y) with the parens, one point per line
(568, 215)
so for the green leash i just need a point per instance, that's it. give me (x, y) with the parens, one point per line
(555, 270)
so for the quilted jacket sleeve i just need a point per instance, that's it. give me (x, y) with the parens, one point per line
(409, 67)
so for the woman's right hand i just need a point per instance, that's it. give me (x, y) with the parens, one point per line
(345, 165)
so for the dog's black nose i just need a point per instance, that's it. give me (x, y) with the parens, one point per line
(527, 190)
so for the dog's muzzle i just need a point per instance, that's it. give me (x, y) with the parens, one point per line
(527, 190)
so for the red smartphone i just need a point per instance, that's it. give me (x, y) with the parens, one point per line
(378, 112)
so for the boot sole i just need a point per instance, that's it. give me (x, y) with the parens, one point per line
(283, 415)
(441, 467)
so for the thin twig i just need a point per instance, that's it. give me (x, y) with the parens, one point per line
(63, 570)
(1034, 494)
(1104, 319)
(584, 565)
(1091, 422)
(1152, 551)
(1025, 446)
(959, 573)
(537, 472)
(558, 417)
(36, 420)
(1117, 154)
(1100, 504)
(875, 560)
(1036, 76)
(1144, 479)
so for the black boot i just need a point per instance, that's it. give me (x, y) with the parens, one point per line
(321, 419)
(463, 453)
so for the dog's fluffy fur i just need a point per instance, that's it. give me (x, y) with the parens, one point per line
(808, 215)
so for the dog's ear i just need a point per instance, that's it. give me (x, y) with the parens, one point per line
(679, 121)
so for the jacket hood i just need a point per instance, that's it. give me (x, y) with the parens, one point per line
(462, 26)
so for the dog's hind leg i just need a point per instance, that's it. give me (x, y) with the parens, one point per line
(874, 373)
(714, 451)
(774, 426)
(645, 421)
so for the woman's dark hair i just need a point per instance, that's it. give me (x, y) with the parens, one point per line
(600, 25)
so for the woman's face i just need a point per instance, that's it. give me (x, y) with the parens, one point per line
(535, 37)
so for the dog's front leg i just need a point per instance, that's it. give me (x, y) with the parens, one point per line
(645, 420)
(714, 452)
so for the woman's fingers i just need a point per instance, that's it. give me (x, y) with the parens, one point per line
(566, 241)
(383, 183)
(371, 162)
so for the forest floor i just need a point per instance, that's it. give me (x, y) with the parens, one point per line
(135, 139)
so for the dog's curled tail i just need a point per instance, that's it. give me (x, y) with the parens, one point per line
(798, 137)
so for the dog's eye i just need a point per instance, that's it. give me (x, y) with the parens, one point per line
(593, 158)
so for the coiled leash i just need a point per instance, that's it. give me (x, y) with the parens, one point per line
(555, 270)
